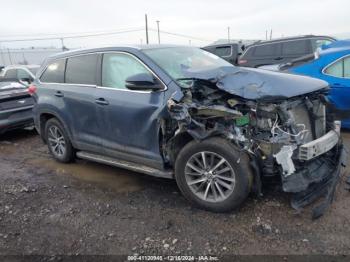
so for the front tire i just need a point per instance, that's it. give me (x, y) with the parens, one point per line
(58, 141)
(213, 174)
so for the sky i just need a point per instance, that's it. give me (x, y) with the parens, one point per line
(200, 21)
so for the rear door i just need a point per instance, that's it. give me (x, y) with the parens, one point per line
(68, 89)
(130, 119)
(78, 92)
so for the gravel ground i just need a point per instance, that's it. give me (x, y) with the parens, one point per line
(86, 208)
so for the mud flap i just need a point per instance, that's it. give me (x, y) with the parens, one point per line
(325, 188)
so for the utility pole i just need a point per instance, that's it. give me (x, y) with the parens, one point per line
(271, 34)
(228, 34)
(8, 50)
(2, 56)
(146, 29)
(62, 43)
(158, 31)
(265, 34)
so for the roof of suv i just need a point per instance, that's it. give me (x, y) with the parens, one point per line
(111, 48)
(289, 39)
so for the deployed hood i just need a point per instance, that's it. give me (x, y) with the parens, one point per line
(257, 84)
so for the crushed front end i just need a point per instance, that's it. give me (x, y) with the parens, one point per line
(293, 138)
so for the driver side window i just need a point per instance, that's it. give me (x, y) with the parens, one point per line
(117, 67)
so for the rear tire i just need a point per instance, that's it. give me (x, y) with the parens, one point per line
(58, 141)
(213, 174)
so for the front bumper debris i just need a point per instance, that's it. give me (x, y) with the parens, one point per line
(319, 146)
(312, 170)
(330, 172)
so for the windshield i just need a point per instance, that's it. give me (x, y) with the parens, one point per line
(33, 70)
(179, 61)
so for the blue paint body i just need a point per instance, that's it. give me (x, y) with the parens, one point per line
(340, 87)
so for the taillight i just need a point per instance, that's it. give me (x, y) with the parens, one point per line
(31, 89)
(241, 62)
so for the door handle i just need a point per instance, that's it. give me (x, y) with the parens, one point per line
(59, 94)
(101, 101)
(278, 58)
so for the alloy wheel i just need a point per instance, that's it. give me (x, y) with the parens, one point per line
(56, 141)
(210, 176)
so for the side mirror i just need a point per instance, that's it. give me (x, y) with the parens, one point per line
(142, 81)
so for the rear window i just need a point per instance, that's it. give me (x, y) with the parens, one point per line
(223, 51)
(54, 73)
(82, 69)
(296, 47)
(265, 50)
(11, 73)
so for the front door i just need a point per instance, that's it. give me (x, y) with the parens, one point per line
(130, 119)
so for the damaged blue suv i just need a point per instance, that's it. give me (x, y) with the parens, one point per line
(183, 113)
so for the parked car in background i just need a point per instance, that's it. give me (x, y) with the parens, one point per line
(16, 105)
(281, 50)
(184, 113)
(20, 72)
(332, 64)
(230, 52)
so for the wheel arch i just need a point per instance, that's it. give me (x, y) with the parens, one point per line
(47, 115)
(176, 143)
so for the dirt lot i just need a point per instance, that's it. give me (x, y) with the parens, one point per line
(87, 208)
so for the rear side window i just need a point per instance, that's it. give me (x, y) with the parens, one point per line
(299, 47)
(54, 73)
(347, 67)
(336, 69)
(265, 50)
(339, 69)
(82, 69)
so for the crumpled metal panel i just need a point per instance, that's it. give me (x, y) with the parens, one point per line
(257, 84)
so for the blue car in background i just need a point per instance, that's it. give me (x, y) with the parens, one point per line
(332, 64)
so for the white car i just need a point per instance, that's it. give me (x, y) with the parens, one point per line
(20, 72)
